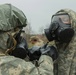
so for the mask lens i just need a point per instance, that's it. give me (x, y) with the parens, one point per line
(64, 18)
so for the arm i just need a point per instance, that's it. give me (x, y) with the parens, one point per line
(45, 65)
(14, 66)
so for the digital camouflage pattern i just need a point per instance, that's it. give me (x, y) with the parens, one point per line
(67, 52)
(10, 65)
(11, 17)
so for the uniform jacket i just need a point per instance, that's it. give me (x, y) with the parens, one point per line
(10, 65)
(66, 63)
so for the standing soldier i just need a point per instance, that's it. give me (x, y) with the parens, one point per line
(63, 31)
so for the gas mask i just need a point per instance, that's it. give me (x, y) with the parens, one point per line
(14, 44)
(60, 28)
(21, 48)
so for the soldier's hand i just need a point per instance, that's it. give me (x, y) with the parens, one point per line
(50, 51)
(34, 53)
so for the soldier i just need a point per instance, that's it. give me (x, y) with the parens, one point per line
(12, 20)
(63, 30)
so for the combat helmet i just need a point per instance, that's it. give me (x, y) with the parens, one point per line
(12, 20)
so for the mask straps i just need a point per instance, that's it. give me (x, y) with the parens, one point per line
(14, 44)
(12, 34)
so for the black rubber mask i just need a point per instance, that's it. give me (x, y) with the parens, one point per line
(60, 29)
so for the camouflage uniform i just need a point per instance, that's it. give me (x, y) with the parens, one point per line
(66, 63)
(10, 18)
(10, 65)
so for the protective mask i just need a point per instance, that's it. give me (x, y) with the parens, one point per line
(60, 29)
(21, 48)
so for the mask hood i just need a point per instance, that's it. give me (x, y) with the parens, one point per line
(72, 15)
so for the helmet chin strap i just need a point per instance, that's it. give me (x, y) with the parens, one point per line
(14, 45)
(12, 34)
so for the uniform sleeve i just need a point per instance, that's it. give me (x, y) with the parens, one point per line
(15, 66)
(45, 65)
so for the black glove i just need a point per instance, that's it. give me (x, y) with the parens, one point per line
(34, 53)
(50, 51)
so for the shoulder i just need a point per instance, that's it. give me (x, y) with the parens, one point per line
(13, 60)
(15, 66)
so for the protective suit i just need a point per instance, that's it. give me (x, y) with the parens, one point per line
(66, 63)
(11, 21)
(63, 31)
